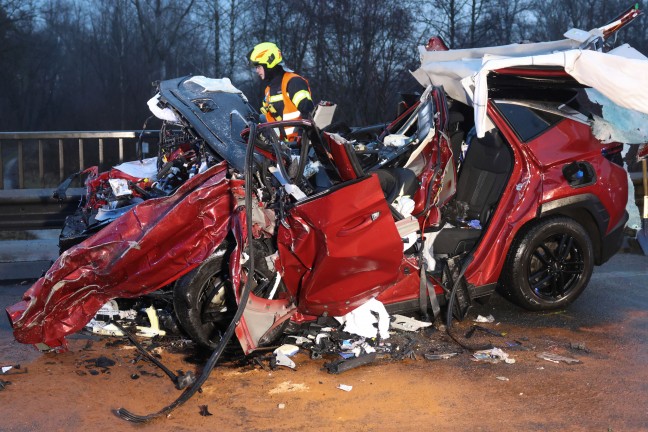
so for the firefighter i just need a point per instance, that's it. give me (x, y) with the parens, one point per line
(287, 95)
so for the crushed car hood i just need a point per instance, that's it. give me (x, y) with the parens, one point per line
(216, 110)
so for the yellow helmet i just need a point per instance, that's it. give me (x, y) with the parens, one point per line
(266, 54)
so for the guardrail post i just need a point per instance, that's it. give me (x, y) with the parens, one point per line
(81, 161)
(61, 161)
(21, 166)
(1, 168)
(41, 164)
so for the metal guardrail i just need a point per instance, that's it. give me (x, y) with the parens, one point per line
(32, 164)
(23, 150)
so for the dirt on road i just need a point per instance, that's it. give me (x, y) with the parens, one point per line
(607, 389)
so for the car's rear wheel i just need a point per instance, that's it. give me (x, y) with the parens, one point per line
(549, 265)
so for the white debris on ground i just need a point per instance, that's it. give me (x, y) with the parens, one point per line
(361, 321)
(401, 322)
(493, 355)
(484, 319)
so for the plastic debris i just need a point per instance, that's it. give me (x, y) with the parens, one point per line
(299, 340)
(287, 350)
(105, 330)
(344, 365)
(443, 356)
(475, 224)
(154, 330)
(204, 411)
(101, 323)
(363, 321)
(579, 346)
(484, 319)
(12, 370)
(281, 406)
(502, 378)
(556, 358)
(346, 388)
(493, 355)
(282, 359)
(401, 322)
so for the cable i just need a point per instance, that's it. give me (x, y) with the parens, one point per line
(213, 359)
(453, 295)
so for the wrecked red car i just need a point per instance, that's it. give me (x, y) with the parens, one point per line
(495, 184)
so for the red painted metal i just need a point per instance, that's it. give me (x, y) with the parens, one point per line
(145, 249)
(341, 273)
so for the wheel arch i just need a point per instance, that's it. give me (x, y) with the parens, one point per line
(587, 210)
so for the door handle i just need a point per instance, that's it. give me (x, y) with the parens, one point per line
(346, 231)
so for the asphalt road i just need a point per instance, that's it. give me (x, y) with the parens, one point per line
(606, 329)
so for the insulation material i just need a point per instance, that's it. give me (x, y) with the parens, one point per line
(618, 75)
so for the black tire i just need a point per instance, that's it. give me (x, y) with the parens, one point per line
(549, 264)
(203, 299)
(202, 304)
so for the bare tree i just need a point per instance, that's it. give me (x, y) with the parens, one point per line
(507, 21)
(456, 21)
(161, 27)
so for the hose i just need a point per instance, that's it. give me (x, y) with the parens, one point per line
(215, 356)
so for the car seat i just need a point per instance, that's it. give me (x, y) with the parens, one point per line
(482, 178)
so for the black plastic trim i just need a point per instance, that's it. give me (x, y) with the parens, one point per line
(611, 243)
(588, 202)
(481, 291)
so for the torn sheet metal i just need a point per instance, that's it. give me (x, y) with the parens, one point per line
(367, 320)
(145, 249)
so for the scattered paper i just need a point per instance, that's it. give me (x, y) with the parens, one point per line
(555, 358)
(401, 322)
(346, 388)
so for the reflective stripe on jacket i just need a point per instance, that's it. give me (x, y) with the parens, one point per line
(290, 111)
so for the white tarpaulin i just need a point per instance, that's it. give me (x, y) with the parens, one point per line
(621, 75)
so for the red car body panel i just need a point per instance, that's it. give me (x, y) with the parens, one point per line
(537, 178)
(325, 248)
(142, 251)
